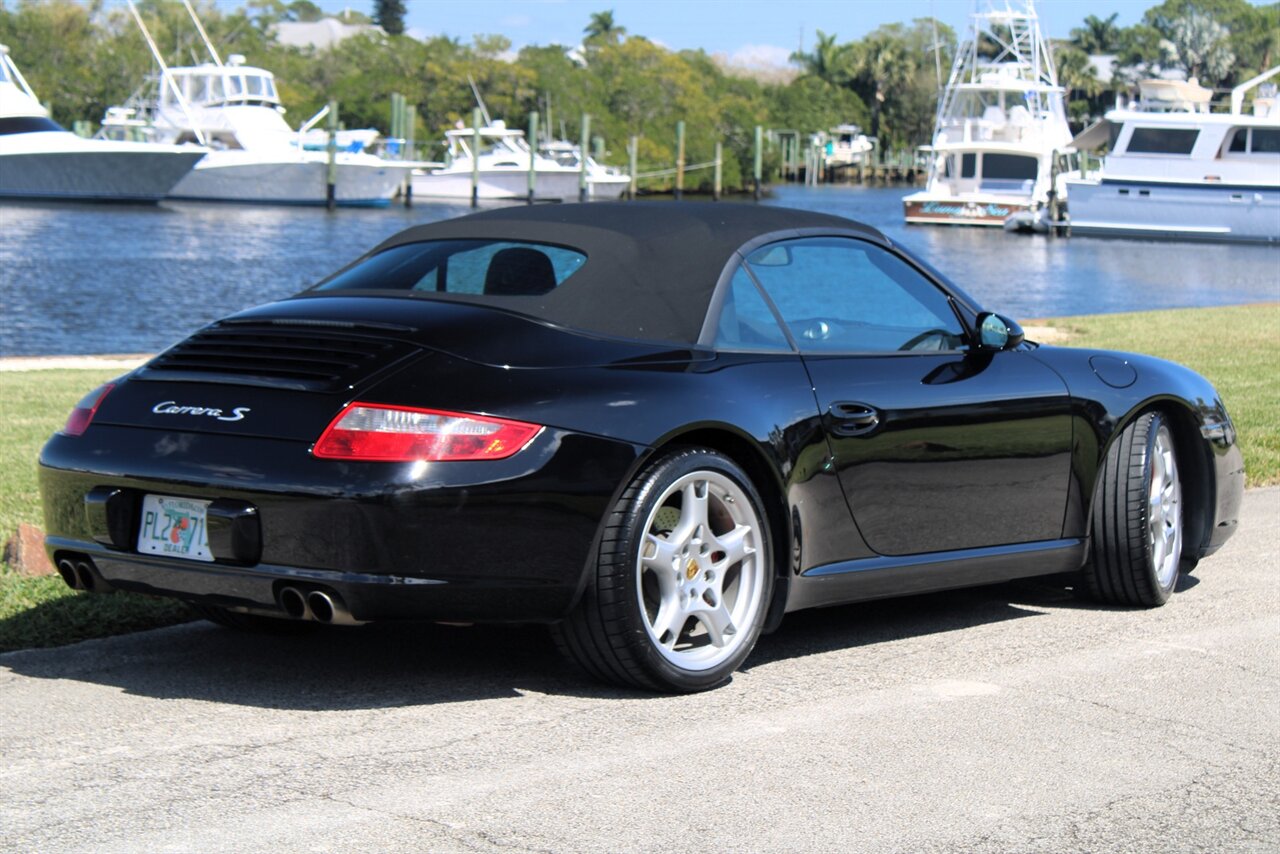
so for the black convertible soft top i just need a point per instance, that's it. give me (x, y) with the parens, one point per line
(651, 267)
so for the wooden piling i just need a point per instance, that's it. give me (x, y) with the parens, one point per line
(533, 155)
(715, 185)
(679, 194)
(584, 146)
(331, 173)
(475, 158)
(633, 149)
(758, 165)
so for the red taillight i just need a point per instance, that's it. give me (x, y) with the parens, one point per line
(372, 431)
(78, 420)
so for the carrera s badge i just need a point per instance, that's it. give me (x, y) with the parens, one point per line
(170, 407)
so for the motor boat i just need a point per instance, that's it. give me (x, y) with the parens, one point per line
(39, 159)
(501, 157)
(604, 183)
(846, 145)
(254, 156)
(1000, 129)
(1178, 170)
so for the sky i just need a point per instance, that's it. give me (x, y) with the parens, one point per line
(752, 30)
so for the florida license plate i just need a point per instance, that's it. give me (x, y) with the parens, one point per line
(174, 527)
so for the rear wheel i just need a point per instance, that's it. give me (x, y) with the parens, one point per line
(1136, 546)
(682, 580)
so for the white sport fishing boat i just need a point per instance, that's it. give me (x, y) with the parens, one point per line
(1000, 124)
(604, 183)
(503, 169)
(1177, 170)
(255, 156)
(846, 145)
(39, 159)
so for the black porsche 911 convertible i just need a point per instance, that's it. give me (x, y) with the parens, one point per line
(656, 427)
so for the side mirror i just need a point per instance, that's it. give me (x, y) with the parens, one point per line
(996, 332)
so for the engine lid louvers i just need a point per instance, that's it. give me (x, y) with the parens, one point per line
(320, 356)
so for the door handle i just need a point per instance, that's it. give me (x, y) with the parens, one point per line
(853, 419)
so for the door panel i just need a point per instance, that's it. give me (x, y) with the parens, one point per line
(966, 450)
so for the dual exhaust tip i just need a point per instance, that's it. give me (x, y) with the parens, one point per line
(317, 605)
(79, 574)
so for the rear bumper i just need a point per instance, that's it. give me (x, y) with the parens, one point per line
(497, 540)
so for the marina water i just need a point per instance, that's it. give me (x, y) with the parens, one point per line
(85, 279)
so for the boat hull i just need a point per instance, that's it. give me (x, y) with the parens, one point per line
(1154, 209)
(89, 171)
(252, 180)
(960, 211)
(514, 185)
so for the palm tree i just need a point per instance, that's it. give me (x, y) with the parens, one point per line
(884, 64)
(1098, 35)
(602, 28)
(828, 61)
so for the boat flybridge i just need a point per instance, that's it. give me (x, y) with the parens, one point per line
(1000, 126)
(39, 159)
(1178, 170)
(255, 156)
(501, 162)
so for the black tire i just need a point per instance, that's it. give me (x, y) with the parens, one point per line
(1127, 564)
(612, 633)
(252, 622)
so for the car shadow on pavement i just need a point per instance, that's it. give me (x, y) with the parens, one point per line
(394, 665)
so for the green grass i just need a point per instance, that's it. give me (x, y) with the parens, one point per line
(1237, 348)
(36, 612)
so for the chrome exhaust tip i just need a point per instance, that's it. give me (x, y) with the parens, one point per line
(67, 570)
(293, 603)
(84, 574)
(322, 606)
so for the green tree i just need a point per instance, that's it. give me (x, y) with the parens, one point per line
(828, 61)
(603, 29)
(1198, 44)
(1098, 35)
(389, 14)
(883, 66)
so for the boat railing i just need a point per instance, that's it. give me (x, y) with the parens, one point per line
(309, 124)
(1238, 93)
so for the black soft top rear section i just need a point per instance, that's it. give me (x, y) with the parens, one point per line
(651, 267)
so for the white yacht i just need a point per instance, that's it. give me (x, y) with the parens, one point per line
(255, 156)
(503, 169)
(41, 160)
(604, 183)
(1176, 169)
(847, 145)
(1000, 123)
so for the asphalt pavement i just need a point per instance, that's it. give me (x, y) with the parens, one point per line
(1008, 718)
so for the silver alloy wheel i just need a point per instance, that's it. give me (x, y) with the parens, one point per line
(699, 575)
(1164, 510)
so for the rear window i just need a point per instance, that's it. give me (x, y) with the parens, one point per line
(471, 267)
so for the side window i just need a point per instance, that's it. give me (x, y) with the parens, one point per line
(968, 165)
(746, 323)
(844, 295)
(1265, 141)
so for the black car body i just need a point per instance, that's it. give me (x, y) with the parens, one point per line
(880, 457)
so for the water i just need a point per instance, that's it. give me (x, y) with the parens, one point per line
(105, 279)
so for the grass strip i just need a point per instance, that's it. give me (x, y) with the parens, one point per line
(1236, 347)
